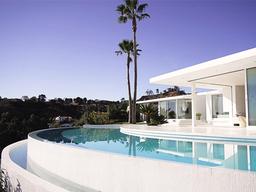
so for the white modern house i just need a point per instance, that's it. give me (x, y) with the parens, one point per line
(193, 158)
(223, 91)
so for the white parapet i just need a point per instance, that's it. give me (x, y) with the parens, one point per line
(13, 162)
(109, 172)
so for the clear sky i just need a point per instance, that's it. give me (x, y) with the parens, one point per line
(66, 48)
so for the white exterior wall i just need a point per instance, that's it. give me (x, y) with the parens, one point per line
(227, 100)
(227, 107)
(240, 99)
(201, 106)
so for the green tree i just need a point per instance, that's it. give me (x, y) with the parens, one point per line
(41, 98)
(78, 100)
(126, 47)
(34, 99)
(133, 11)
(68, 101)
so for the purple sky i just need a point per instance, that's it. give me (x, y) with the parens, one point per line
(65, 48)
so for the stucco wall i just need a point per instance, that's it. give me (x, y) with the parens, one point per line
(201, 106)
(227, 107)
(240, 99)
(227, 100)
(110, 172)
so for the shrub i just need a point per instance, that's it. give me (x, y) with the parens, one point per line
(151, 113)
(6, 185)
(98, 118)
(157, 119)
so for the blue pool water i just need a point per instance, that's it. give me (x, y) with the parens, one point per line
(229, 155)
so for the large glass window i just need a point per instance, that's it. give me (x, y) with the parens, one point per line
(242, 157)
(251, 96)
(176, 109)
(171, 109)
(217, 107)
(170, 145)
(253, 158)
(184, 146)
(218, 151)
(184, 109)
(163, 108)
(201, 150)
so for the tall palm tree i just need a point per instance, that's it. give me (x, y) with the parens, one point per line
(133, 11)
(126, 47)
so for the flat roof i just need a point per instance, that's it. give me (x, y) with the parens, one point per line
(165, 99)
(188, 96)
(223, 71)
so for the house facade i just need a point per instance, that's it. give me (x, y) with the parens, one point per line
(223, 92)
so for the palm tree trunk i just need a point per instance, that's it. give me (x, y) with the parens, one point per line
(129, 89)
(130, 145)
(134, 26)
(134, 147)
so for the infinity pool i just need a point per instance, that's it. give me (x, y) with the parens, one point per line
(210, 153)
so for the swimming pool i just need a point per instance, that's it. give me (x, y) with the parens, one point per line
(210, 153)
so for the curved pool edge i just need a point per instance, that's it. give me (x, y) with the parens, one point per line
(28, 181)
(113, 172)
(140, 131)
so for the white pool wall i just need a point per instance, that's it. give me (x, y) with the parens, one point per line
(110, 172)
(28, 181)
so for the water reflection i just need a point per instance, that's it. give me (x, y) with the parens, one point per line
(228, 155)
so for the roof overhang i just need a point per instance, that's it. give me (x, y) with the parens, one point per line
(224, 71)
(188, 96)
(165, 99)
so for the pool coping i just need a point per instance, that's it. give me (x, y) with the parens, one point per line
(141, 130)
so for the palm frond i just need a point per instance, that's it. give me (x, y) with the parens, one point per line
(120, 9)
(122, 46)
(141, 8)
(118, 53)
(138, 51)
(143, 16)
(134, 4)
(126, 46)
(128, 3)
(130, 59)
(122, 19)
(128, 12)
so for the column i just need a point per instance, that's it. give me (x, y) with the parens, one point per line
(193, 94)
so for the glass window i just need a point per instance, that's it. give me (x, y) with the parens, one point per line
(218, 151)
(184, 109)
(242, 157)
(163, 108)
(171, 112)
(251, 96)
(170, 145)
(184, 146)
(201, 149)
(217, 107)
(253, 158)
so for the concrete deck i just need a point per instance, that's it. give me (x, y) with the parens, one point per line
(206, 130)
